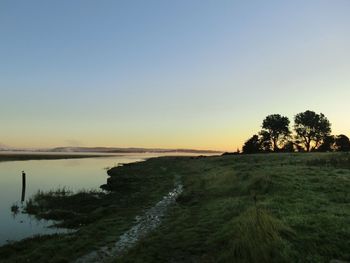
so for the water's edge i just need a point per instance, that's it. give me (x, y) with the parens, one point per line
(145, 224)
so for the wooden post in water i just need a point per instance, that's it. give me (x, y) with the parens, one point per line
(23, 186)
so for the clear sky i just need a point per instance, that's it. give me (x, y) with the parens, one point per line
(186, 73)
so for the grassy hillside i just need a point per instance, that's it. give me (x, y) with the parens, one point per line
(244, 208)
(256, 208)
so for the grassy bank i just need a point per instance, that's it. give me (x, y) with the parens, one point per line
(256, 208)
(245, 208)
(100, 218)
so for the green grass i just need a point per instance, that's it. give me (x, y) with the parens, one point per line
(237, 208)
(301, 213)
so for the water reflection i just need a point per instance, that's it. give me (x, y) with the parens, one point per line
(23, 187)
(14, 210)
(45, 175)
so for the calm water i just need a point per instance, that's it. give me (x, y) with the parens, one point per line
(75, 174)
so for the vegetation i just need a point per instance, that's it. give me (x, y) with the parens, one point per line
(100, 218)
(312, 132)
(339, 143)
(256, 208)
(234, 208)
(342, 143)
(276, 129)
(253, 145)
(311, 129)
(73, 209)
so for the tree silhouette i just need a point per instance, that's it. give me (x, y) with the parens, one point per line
(342, 143)
(327, 144)
(311, 129)
(277, 128)
(252, 145)
(288, 147)
(265, 141)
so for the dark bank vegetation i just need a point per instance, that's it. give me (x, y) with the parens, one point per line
(235, 208)
(312, 132)
(71, 209)
(99, 218)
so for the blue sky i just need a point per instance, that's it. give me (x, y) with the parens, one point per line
(194, 74)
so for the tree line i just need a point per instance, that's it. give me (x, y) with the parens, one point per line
(311, 132)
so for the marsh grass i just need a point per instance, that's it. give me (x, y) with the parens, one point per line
(336, 160)
(255, 208)
(71, 210)
(99, 217)
(254, 236)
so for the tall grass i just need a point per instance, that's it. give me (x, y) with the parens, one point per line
(70, 209)
(40, 201)
(256, 236)
(259, 208)
(338, 160)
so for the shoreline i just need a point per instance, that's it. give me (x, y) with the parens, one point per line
(26, 156)
(5, 156)
(229, 206)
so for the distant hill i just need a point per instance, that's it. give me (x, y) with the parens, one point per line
(127, 150)
(4, 147)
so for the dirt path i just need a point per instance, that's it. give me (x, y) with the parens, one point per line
(144, 225)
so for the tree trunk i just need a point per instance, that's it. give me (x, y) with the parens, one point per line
(275, 148)
(307, 144)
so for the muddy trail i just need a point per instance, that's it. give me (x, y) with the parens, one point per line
(145, 224)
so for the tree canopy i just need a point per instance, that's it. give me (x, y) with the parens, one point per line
(311, 129)
(327, 144)
(342, 143)
(276, 128)
(252, 145)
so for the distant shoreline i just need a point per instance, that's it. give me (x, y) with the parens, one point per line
(25, 156)
(41, 155)
(111, 150)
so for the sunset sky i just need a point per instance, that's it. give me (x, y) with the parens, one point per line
(171, 74)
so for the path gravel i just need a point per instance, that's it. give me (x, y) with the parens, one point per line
(145, 223)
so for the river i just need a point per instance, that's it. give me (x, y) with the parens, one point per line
(44, 175)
